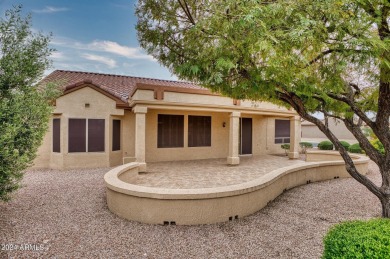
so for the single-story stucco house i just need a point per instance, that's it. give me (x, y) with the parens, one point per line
(104, 120)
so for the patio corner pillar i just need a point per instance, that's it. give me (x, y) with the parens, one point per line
(234, 136)
(295, 137)
(140, 136)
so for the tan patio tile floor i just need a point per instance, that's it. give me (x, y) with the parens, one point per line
(209, 173)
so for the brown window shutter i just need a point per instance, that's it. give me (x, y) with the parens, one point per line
(57, 135)
(116, 135)
(77, 135)
(96, 135)
(170, 132)
(199, 131)
(282, 131)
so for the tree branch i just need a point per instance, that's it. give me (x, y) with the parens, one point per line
(363, 141)
(354, 108)
(186, 10)
(298, 105)
(329, 51)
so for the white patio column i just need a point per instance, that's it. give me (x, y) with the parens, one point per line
(140, 133)
(295, 137)
(234, 137)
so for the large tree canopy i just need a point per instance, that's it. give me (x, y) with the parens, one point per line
(331, 57)
(24, 109)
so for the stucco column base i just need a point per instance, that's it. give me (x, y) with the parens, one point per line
(142, 167)
(293, 155)
(233, 160)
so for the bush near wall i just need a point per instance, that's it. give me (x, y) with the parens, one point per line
(325, 145)
(378, 145)
(358, 239)
(304, 146)
(286, 148)
(355, 148)
(345, 144)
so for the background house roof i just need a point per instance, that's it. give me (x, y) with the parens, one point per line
(116, 85)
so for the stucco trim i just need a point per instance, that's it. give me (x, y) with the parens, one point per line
(88, 83)
(159, 90)
(213, 108)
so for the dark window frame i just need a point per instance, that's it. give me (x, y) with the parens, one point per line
(116, 135)
(56, 145)
(77, 135)
(170, 131)
(80, 139)
(281, 134)
(96, 135)
(199, 131)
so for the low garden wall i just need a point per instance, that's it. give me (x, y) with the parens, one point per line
(211, 205)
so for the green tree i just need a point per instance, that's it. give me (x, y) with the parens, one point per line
(24, 109)
(330, 57)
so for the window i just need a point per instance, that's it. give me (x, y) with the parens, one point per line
(77, 138)
(77, 134)
(282, 131)
(199, 131)
(170, 131)
(57, 135)
(116, 135)
(95, 135)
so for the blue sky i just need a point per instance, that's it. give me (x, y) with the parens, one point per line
(92, 35)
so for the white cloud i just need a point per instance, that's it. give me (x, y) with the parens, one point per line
(115, 48)
(57, 55)
(103, 46)
(108, 61)
(51, 9)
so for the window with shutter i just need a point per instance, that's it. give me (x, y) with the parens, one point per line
(170, 132)
(199, 131)
(282, 131)
(116, 135)
(57, 135)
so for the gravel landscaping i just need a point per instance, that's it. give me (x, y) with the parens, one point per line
(63, 214)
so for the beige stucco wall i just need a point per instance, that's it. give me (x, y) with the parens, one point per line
(72, 105)
(143, 95)
(271, 147)
(261, 105)
(211, 205)
(263, 137)
(43, 154)
(128, 138)
(311, 131)
(219, 138)
(196, 98)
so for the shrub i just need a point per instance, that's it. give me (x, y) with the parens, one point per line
(325, 145)
(377, 145)
(286, 147)
(355, 148)
(305, 145)
(358, 239)
(345, 144)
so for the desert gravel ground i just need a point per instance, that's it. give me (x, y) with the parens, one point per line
(65, 213)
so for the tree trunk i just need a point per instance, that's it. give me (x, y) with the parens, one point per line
(385, 206)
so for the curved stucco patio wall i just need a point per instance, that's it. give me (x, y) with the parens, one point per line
(211, 205)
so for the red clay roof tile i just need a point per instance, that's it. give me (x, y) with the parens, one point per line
(117, 85)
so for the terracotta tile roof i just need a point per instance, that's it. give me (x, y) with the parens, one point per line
(117, 85)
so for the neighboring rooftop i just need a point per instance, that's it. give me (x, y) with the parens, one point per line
(117, 85)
